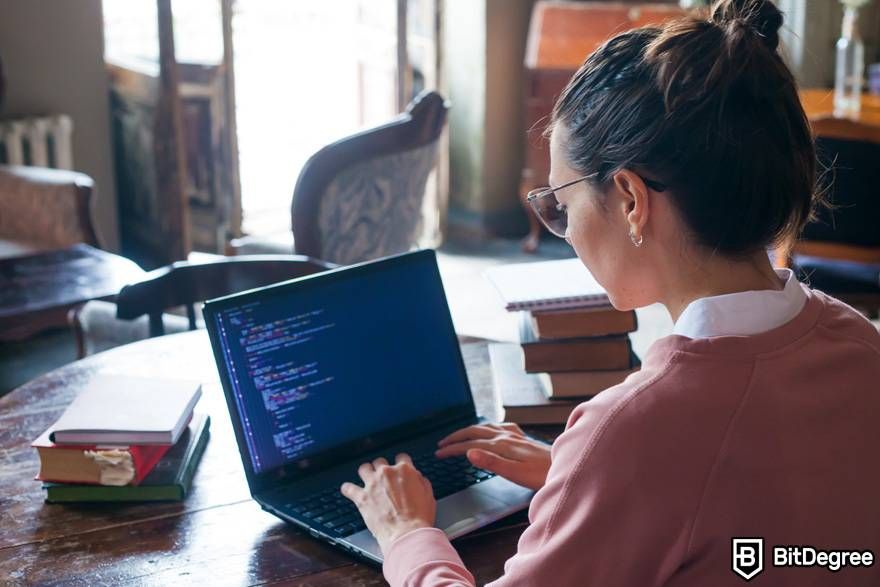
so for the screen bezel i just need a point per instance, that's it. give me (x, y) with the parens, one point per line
(259, 481)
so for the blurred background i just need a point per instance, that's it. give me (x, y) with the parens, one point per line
(342, 130)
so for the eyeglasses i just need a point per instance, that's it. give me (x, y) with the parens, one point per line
(554, 215)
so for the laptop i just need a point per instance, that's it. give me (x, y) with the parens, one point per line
(326, 372)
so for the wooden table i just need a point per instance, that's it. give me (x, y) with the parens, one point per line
(218, 535)
(819, 107)
(37, 290)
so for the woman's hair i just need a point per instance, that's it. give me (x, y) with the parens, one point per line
(705, 105)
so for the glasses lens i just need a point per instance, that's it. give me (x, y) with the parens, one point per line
(549, 211)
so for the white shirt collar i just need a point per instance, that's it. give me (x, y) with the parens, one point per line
(742, 313)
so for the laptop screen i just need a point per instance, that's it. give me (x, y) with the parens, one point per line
(340, 359)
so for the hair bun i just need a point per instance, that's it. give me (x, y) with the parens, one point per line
(761, 16)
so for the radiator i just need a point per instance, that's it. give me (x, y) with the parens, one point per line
(39, 141)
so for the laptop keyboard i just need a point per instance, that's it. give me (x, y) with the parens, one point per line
(337, 516)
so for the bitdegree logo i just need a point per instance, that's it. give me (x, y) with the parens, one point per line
(833, 560)
(747, 559)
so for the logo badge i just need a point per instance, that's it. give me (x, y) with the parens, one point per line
(748, 557)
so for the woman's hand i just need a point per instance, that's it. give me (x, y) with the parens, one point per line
(394, 499)
(503, 449)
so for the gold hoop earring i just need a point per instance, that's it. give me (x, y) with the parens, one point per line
(636, 241)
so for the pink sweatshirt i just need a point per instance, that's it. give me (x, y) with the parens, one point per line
(773, 435)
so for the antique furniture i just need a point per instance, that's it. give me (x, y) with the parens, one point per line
(42, 209)
(175, 146)
(361, 198)
(37, 290)
(101, 325)
(839, 253)
(217, 535)
(561, 36)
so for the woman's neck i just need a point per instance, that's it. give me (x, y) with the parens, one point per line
(717, 275)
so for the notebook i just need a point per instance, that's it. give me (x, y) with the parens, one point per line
(547, 285)
(118, 409)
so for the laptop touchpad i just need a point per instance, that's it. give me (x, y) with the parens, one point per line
(458, 513)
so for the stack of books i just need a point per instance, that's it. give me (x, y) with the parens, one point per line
(573, 342)
(124, 439)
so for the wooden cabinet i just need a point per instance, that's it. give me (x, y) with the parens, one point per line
(561, 36)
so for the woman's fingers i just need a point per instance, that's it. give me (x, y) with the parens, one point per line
(499, 447)
(481, 431)
(366, 471)
(511, 427)
(469, 433)
(403, 458)
(495, 463)
(351, 491)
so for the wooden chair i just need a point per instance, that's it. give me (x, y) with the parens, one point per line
(361, 198)
(839, 253)
(140, 308)
(42, 209)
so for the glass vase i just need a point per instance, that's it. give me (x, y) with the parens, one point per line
(849, 66)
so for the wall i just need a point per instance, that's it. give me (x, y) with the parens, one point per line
(810, 33)
(507, 24)
(53, 56)
(465, 61)
(484, 46)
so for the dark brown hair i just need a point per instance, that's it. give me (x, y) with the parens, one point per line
(705, 105)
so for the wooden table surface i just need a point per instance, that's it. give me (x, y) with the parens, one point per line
(37, 290)
(819, 103)
(218, 535)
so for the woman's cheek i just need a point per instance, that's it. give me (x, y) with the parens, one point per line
(605, 262)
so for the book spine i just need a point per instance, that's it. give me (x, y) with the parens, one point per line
(146, 457)
(608, 355)
(106, 493)
(185, 475)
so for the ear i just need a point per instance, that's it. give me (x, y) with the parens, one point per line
(635, 200)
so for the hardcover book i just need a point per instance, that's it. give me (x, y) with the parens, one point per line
(170, 479)
(116, 409)
(99, 465)
(520, 393)
(583, 322)
(602, 353)
(579, 384)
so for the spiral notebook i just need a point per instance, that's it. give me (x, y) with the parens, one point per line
(547, 285)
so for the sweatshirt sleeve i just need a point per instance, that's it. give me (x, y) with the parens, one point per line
(425, 557)
(609, 514)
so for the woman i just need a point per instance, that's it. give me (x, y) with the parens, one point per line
(680, 153)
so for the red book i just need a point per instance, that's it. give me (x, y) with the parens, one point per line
(96, 465)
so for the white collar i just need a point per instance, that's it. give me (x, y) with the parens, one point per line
(742, 313)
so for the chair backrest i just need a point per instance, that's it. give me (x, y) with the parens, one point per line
(184, 283)
(361, 198)
(851, 153)
(48, 207)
